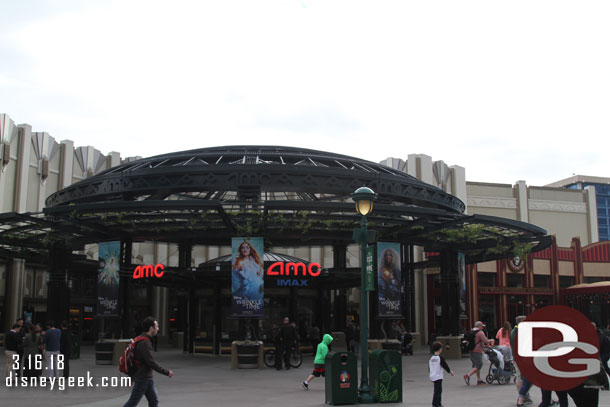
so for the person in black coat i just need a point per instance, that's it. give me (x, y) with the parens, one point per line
(65, 347)
(286, 342)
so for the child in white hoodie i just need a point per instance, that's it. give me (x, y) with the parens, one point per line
(436, 373)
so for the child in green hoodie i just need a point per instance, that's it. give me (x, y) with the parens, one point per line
(318, 362)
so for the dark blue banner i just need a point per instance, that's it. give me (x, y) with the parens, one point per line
(108, 279)
(389, 280)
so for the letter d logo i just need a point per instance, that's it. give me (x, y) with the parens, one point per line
(526, 338)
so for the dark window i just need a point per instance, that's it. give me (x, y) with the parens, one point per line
(541, 281)
(566, 281)
(436, 281)
(486, 279)
(589, 280)
(514, 280)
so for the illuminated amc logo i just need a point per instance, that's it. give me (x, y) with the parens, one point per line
(148, 271)
(281, 269)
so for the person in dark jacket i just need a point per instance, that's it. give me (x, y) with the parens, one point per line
(286, 342)
(11, 346)
(143, 384)
(65, 347)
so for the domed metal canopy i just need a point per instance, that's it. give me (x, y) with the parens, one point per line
(251, 174)
(292, 197)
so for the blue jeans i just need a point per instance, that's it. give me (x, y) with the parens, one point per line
(143, 388)
(525, 387)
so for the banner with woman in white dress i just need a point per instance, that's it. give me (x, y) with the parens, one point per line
(247, 277)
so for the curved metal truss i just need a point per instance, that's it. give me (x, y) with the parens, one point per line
(291, 197)
(252, 174)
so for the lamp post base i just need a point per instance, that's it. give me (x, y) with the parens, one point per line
(365, 396)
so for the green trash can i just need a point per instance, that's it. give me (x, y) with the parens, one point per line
(341, 378)
(75, 354)
(385, 373)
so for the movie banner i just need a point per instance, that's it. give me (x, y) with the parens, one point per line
(462, 284)
(389, 280)
(108, 279)
(247, 277)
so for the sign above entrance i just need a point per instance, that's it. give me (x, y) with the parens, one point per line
(283, 269)
(148, 271)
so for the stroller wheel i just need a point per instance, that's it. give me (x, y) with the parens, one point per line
(489, 379)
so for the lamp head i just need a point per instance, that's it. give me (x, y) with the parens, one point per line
(364, 198)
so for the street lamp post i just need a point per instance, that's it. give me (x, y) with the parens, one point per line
(364, 198)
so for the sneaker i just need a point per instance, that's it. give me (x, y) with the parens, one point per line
(480, 383)
(467, 379)
(305, 386)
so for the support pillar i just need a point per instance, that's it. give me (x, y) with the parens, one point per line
(58, 297)
(340, 265)
(409, 287)
(14, 293)
(124, 294)
(185, 253)
(160, 311)
(450, 318)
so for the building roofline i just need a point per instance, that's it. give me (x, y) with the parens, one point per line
(579, 178)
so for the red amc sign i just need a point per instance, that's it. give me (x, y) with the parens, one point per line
(281, 269)
(149, 271)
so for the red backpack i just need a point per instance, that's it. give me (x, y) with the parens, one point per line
(128, 364)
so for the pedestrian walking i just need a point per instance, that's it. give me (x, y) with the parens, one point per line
(476, 354)
(65, 347)
(143, 384)
(52, 346)
(319, 361)
(436, 364)
(286, 342)
(11, 348)
(519, 382)
(32, 346)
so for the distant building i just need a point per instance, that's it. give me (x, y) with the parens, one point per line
(602, 195)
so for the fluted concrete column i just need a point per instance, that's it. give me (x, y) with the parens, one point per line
(160, 311)
(14, 292)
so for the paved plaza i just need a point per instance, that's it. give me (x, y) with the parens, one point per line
(204, 380)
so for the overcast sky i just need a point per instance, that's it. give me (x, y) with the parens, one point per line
(509, 90)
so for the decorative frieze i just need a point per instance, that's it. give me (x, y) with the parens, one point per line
(557, 206)
(492, 202)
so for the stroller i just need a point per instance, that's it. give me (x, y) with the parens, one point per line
(501, 366)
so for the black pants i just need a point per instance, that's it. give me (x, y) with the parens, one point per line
(438, 390)
(282, 353)
(584, 397)
(605, 358)
(546, 398)
(66, 366)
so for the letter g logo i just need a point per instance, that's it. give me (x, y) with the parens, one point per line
(557, 348)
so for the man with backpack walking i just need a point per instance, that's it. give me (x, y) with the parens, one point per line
(143, 384)
(477, 340)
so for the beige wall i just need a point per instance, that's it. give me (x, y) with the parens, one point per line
(542, 266)
(596, 269)
(488, 266)
(566, 268)
(563, 225)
